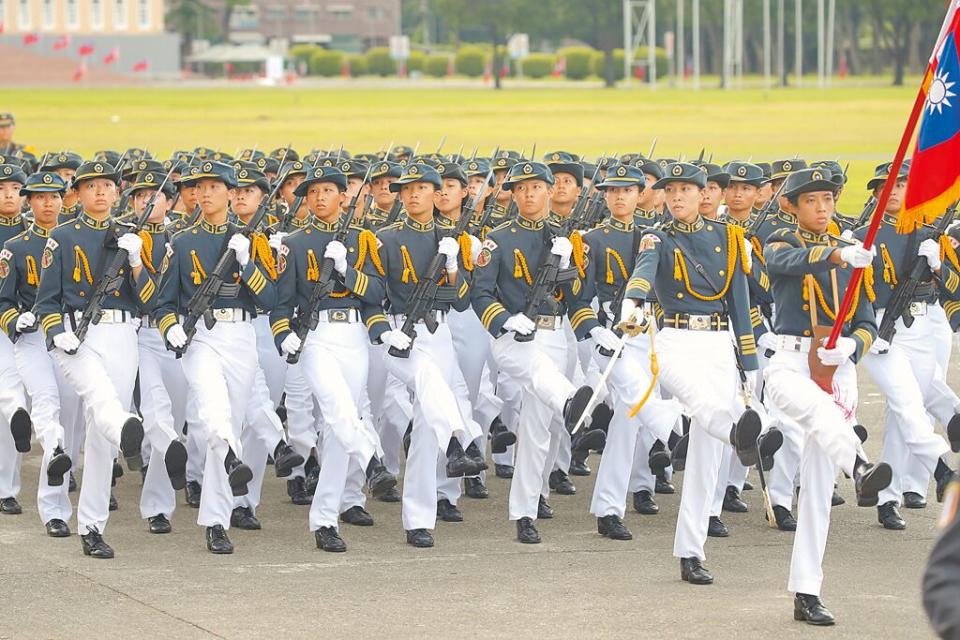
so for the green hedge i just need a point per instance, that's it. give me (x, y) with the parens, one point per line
(358, 65)
(416, 61)
(436, 65)
(578, 61)
(539, 65)
(302, 52)
(379, 62)
(640, 55)
(326, 63)
(470, 61)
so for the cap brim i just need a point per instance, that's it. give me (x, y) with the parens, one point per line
(622, 182)
(815, 185)
(664, 181)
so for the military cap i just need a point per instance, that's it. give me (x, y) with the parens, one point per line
(204, 152)
(624, 175)
(782, 168)
(62, 160)
(12, 173)
(455, 158)
(715, 173)
(649, 167)
(589, 168)
(631, 158)
(7, 120)
(402, 150)
(139, 166)
(177, 165)
(766, 168)
(136, 153)
(682, 172)
(835, 169)
(348, 166)
(431, 159)
(452, 170)
(322, 174)
(528, 170)
(278, 154)
(385, 169)
(223, 172)
(292, 168)
(182, 156)
(744, 172)
(221, 156)
(250, 155)
(368, 157)
(95, 169)
(248, 174)
(30, 163)
(266, 165)
(607, 161)
(151, 179)
(44, 182)
(108, 155)
(563, 162)
(509, 153)
(882, 172)
(16, 161)
(502, 162)
(417, 173)
(807, 180)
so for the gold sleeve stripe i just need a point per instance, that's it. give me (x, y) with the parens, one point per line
(865, 337)
(755, 318)
(639, 283)
(372, 320)
(492, 312)
(50, 320)
(7, 317)
(577, 285)
(816, 254)
(361, 285)
(764, 281)
(951, 307)
(166, 322)
(952, 281)
(748, 345)
(278, 327)
(463, 290)
(147, 292)
(257, 281)
(582, 316)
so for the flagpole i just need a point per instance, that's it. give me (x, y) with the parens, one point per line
(891, 180)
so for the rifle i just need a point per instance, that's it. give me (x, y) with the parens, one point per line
(867, 212)
(308, 317)
(549, 272)
(761, 216)
(394, 212)
(111, 280)
(903, 294)
(425, 294)
(215, 285)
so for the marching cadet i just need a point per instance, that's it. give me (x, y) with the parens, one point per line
(65, 165)
(8, 128)
(101, 369)
(647, 213)
(327, 356)
(15, 424)
(49, 394)
(699, 359)
(428, 370)
(614, 246)
(766, 188)
(904, 368)
(502, 282)
(294, 172)
(384, 174)
(808, 269)
(163, 387)
(779, 217)
(717, 181)
(219, 374)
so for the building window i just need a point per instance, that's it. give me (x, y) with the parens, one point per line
(245, 18)
(49, 15)
(96, 15)
(275, 13)
(305, 12)
(340, 11)
(23, 14)
(120, 14)
(143, 14)
(73, 14)
(376, 13)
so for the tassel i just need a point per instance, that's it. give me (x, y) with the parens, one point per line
(806, 288)
(313, 267)
(889, 269)
(146, 251)
(833, 228)
(409, 273)
(520, 269)
(260, 252)
(948, 253)
(368, 247)
(868, 284)
(757, 249)
(80, 259)
(677, 265)
(32, 277)
(612, 253)
(198, 273)
(466, 249)
(579, 256)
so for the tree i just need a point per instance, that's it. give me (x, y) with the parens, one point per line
(193, 19)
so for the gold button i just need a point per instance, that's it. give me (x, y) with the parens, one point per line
(709, 227)
(806, 332)
(513, 230)
(116, 294)
(350, 249)
(717, 249)
(722, 272)
(680, 294)
(309, 231)
(806, 307)
(76, 226)
(194, 232)
(236, 275)
(606, 230)
(82, 294)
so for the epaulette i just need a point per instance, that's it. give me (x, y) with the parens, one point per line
(502, 225)
(394, 225)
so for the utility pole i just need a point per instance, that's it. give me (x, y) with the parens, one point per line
(798, 41)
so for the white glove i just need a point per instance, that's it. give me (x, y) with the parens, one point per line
(66, 341)
(25, 320)
(290, 345)
(879, 346)
(276, 240)
(856, 256)
(628, 309)
(241, 246)
(396, 339)
(748, 249)
(137, 322)
(338, 253)
(132, 244)
(767, 342)
(449, 248)
(176, 336)
(930, 249)
(835, 357)
(753, 379)
(605, 338)
(475, 247)
(847, 234)
(519, 323)
(562, 247)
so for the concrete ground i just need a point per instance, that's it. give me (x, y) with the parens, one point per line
(478, 582)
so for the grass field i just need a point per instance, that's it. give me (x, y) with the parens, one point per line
(857, 125)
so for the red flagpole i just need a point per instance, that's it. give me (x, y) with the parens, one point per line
(891, 180)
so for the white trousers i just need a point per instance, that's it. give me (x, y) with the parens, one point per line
(163, 404)
(11, 399)
(389, 404)
(628, 382)
(829, 444)
(537, 367)
(52, 404)
(221, 373)
(102, 373)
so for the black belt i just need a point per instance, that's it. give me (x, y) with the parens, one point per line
(695, 322)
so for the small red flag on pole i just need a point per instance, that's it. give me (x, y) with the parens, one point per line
(85, 49)
(112, 57)
(30, 38)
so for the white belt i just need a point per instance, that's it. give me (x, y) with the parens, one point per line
(231, 315)
(108, 316)
(333, 316)
(549, 323)
(399, 318)
(799, 344)
(147, 321)
(918, 308)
